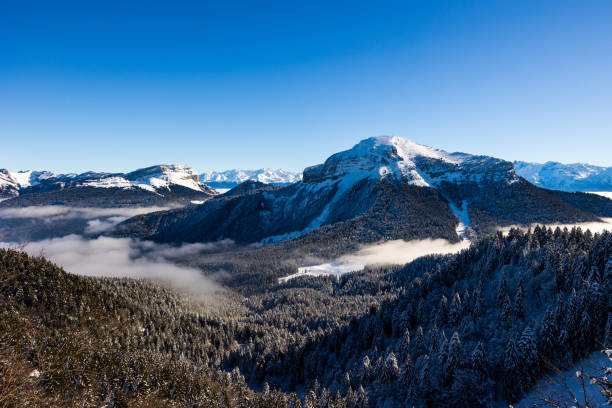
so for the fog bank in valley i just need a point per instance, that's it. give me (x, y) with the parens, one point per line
(123, 258)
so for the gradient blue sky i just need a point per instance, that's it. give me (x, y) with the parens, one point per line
(115, 85)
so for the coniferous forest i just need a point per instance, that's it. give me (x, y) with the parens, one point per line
(475, 329)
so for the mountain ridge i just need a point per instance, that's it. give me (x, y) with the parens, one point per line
(566, 177)
(384, 187)
(233, 177)
(152, 185)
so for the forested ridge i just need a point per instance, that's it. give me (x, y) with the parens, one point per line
(473, 329)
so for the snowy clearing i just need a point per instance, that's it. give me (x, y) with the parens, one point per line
(555, 386)
(396, 252)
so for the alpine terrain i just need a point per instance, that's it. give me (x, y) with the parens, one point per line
(567, 177)
(231, 178)
(383, 188)
(160, 184)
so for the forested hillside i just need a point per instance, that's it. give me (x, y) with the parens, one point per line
(468, 330)
(67, 340)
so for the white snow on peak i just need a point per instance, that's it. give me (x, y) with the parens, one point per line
(29, 178)
(568, 177)
(407, 149)
(237, 176)
(24, 178)
(400, 158)
(155, 179)
(12, 182)
(152, 178)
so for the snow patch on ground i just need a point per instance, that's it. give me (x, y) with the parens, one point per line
(464, 227)
(396, 252)
(556, 385)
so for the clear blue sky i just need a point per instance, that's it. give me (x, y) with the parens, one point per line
(115, 85)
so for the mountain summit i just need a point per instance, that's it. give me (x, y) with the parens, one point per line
(403, 159)
(383, 188)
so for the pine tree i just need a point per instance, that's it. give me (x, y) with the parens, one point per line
(455, 310)
(506, 309)
(366, 370)
(549, 333)
(425, 381)
(452, 356)
(512, 366)
(418, 345)
(502, 291)
(573, 317)
(404, 345)
(479, 362)
(519, 307)
(390, 369)
(442, 315)
(294, 401)
(528, 354)
(406, 374)
(363, 398)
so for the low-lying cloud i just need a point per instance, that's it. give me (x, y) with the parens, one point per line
(401, 252)
(124, 258)
(594, 227)
(98, 219)
(54, 212)
(398, 252)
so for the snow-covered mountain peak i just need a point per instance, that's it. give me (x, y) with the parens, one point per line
(29, 178)
(398, 158)
(568, 177)
(160, 179)
(231, 178)
(406, 148)
(153, 178)
(12, 182)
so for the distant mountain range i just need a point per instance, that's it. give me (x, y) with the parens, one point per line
(566, 177)
(153, 185)
(231, 178)
(382, 188)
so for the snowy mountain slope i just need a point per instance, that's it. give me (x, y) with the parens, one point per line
(566, 177)
(383, 188)
(9, 187)
(231, 178)
(12, 182)
(155, 178)
(151, 186)
(402, 159)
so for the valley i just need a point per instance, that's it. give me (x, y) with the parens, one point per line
(390, 266)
